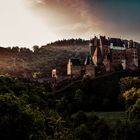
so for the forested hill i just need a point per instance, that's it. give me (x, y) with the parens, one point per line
(69, 42)
(30, 111)
(21, 62)
(18, 61)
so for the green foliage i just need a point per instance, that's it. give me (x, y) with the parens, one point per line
(79, 118)
(101, 94)
(82, 133)
(29, 111)
(134, 129)
(134, 111)
(129, 82)
(68, 42)
(36, 74)
(120, 131)
(131, 96)
(126, 130)
(19, 121)
(112, 117)
(56, 127)
(130, 88)
(22, 61)
(89, 126)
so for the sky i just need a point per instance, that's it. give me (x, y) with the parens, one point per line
(25, 23)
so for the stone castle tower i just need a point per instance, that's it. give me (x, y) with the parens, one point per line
(132, 55)
(95, 51)
(69, 67)
(105, 55)
(89, 67)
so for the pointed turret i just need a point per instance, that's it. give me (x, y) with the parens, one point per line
(93, 44)
(90, 68)
(69, 67)
(88, 61)
(97, 56)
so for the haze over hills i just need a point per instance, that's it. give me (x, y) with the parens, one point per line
(24, 62)
(20, 61)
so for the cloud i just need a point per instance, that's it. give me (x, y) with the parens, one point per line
(118, 17)
(68, 16)
(87, 17)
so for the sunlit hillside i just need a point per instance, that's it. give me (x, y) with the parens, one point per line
(22, 61)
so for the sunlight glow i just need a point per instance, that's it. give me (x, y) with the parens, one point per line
(20, 27)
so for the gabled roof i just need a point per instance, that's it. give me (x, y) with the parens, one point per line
(116, 42)
(97, 56)
(104, 41)
(125, 42)
(89, 61)
(93, 44)
(75, 62)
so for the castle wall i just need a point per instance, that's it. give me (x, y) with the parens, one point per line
(106, 63)
(76, 71)
(117, 56)
(90, 70)
(69, 69)
(132, 58)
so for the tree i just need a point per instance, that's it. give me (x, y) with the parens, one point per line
(79, 118)
(82, 133)
(78, 98)
(15, 49)
(36, 49)
(131, 96)
(19, 121)
(56, 127)
(129, 82)
(134, 111)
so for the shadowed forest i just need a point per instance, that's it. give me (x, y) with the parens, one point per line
(23, 62)
(106, 108)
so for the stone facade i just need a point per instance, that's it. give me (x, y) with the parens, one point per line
(114, 52)
(89, 67)
(54, 73)
(105, 55)
(74, 68)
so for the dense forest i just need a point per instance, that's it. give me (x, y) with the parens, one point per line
(32, 111)
(69, 42)
(23, 62)
(103, 108)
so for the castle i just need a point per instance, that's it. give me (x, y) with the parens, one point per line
(105, 55)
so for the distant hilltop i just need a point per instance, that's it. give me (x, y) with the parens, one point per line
(64, 43)
(24, 62)
(106, 55)
(69, 42)
(79, 41)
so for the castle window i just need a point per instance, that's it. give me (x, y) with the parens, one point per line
(54, 73)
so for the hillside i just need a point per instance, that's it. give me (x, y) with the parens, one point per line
(29, 110)
(23, 62)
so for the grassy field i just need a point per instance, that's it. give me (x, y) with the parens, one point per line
(112, 117)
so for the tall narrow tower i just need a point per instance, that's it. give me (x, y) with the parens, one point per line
(97, 56)
(69, 67)
(95, 51)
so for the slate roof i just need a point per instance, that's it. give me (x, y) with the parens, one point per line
(97, 55)
(75, 62)
(116, 42)
(93, 44)
(104, 41)
(88, 60)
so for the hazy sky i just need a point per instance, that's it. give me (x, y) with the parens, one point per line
(36, 22)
